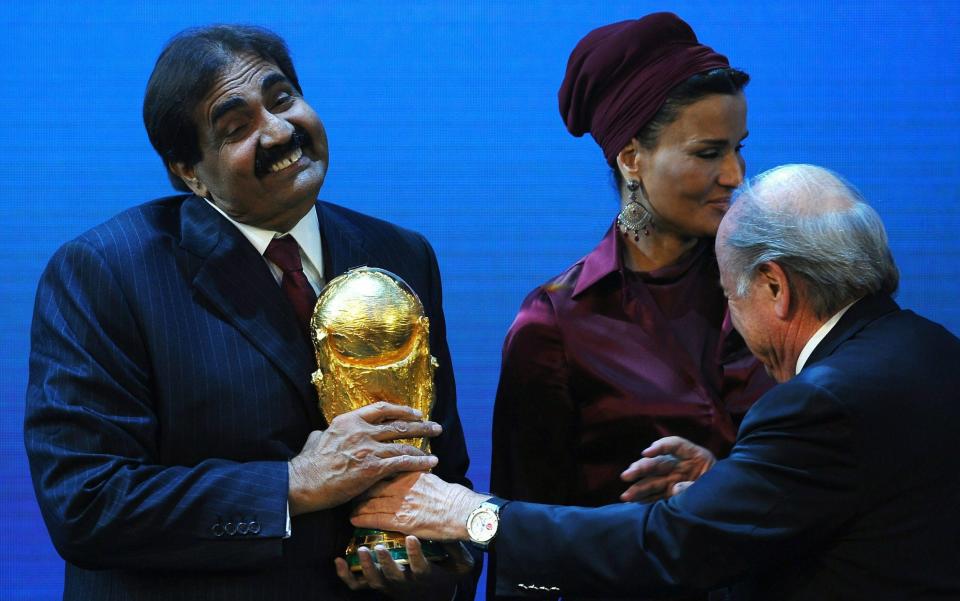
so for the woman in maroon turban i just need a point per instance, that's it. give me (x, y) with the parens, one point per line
(632, 343)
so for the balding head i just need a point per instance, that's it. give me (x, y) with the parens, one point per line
(817, 228)
(801, 190)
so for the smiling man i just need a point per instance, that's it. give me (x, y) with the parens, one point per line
(175, 441)
(843, 482)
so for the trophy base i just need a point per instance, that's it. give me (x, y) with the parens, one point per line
(394, 543)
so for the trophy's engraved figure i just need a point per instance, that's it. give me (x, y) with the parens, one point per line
(372, 343)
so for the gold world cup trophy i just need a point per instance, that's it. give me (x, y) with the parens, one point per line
(372, 342)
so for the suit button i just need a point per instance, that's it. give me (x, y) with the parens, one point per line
(242, 527)
(254, 527)
(230, 528)
(217, 529)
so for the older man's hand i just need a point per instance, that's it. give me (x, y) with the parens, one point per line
(421, 580)
(355, 452)
(667, 468)
(420, 504)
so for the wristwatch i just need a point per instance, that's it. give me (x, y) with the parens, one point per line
(484, 521)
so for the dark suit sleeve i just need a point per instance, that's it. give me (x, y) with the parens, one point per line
(789, 484)
(450, 447)
(91, 432)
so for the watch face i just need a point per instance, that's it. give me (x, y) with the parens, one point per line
(482, 525)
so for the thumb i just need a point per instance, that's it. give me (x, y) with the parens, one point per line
(679, 487)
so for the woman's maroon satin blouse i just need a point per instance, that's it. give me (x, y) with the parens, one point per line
(602, 361)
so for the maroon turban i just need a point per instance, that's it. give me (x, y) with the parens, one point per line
(619, 75)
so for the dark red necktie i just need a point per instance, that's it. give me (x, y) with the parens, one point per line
(285, 254)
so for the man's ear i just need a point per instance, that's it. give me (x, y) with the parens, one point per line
(630, 160)
(775, 288)
(189, 177)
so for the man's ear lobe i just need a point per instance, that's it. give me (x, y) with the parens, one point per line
(189, 177)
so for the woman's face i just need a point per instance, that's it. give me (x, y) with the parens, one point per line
(689, 176)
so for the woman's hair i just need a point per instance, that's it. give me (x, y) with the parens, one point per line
(725, 80)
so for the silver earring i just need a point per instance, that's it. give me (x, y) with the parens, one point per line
(634, 217)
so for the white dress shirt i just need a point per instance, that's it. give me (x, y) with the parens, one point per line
(818, 337)
(307, 235)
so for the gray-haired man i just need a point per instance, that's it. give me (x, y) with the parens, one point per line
(843, 483)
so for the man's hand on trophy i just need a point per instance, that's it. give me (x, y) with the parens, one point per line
(421, 579)
(667, 468)
(420, 504)
(356, 451)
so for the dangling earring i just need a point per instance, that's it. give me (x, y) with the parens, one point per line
(634, 217)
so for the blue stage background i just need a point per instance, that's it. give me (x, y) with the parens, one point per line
(442, 117)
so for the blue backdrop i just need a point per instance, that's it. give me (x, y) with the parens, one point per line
(442, 117)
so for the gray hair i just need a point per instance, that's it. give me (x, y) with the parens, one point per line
(818, 228)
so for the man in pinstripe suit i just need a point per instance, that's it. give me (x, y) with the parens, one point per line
(175, 442)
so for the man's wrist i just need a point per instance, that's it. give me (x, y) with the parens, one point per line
(463, 502)
(296, 500)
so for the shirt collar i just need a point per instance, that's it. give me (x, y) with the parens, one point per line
(818, 337)
(601, 262)
(306, 233)
(606, 258)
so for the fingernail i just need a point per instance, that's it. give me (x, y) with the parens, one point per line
(436, 428)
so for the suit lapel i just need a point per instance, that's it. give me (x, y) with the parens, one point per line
(233, 278)
(857, 317)
(343, 247)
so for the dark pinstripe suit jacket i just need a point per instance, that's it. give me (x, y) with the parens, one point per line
(168, 387)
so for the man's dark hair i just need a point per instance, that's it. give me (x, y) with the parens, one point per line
(724, 80)
(189, 65)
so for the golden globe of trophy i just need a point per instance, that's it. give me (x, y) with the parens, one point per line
(372, 342)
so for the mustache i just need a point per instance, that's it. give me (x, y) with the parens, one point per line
(268, 156)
